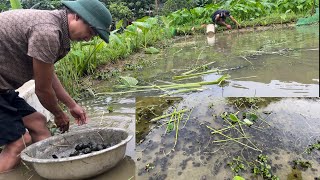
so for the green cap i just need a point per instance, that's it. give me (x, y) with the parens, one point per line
(94, 13)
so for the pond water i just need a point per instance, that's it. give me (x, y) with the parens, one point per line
(278, 63)
(283, 132)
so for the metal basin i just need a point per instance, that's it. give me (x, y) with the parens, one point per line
(40, 154)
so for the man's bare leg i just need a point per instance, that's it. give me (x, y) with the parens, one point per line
(36, 123)
(10, 155)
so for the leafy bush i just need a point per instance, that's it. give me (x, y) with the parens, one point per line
(119, 11)
(4, 5)
(41, 4)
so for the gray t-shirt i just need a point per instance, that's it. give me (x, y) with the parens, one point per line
(27, 34)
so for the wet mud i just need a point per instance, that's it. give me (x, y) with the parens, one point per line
(289, 126)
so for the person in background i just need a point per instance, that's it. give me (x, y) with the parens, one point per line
(219, 17)
(31, 42)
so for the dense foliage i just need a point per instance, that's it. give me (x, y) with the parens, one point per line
(242, 10)
(43, 4)
(4, 5)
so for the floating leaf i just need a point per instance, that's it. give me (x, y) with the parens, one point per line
(233, 118)
(128, 81)
(110, 109)
(248, 122)
(252, 116)
(170, 127)
(151, 50)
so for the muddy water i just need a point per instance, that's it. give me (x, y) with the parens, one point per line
(148, 108)
(289, 126)
(123, 116)
(282, 63)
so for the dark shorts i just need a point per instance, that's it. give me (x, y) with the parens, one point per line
(12, 109)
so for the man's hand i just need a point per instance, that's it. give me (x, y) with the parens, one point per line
(79, 114)
(228, 26)
(62, 121)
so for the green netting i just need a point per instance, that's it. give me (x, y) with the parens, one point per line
(309, 20)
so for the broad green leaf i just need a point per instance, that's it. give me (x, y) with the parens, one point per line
(252, 117)
(128, 81)
(143, 19)
(115, 38)
(233, 118)
(170, 127)
(199, 10)
(15, 4)
(238, 178)
(152, 21)
(142, 25)
(300, 7)
(119, 24)
(131, 29)
(151, 50)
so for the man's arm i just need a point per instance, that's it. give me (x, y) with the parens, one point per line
(43, 75)
(217, 17)
(235, 21)
(76, 111)
(220, 21)
(61, 93)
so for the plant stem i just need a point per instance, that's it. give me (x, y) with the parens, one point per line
(167, 115)
(181, 91)
(225, 140)
(256, 149)
(197, 68)
(194, 75)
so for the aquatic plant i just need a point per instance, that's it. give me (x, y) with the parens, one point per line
(312, 147)
(180, 87)
(149, 167)
(261, 167)
(299, 164)
(173, 124)
(149, 110)
(237, 165)
(246, 102)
